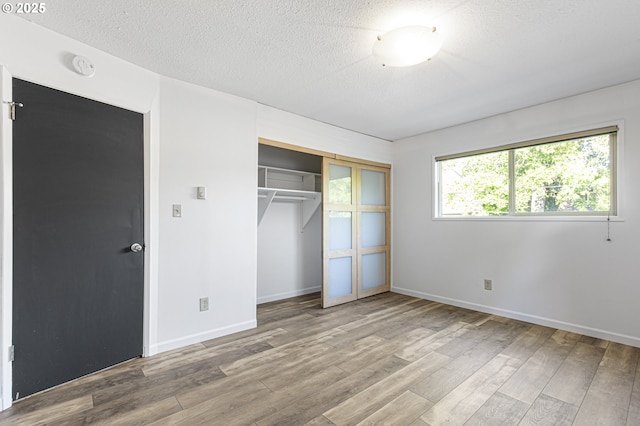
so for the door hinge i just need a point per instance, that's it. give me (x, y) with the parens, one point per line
(12, 353)
(12, 108)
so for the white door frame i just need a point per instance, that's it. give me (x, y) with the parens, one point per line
(6, 235)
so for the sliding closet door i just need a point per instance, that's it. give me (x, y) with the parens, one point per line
(373, 211)
(356, 237)
(339, 277)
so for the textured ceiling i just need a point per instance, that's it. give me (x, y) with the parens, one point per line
(313, 57)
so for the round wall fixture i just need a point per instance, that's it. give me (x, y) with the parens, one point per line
(83, 66)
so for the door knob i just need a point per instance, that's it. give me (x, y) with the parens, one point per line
(136, 247)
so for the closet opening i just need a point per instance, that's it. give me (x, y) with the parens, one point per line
(289, 223)
(323, 225)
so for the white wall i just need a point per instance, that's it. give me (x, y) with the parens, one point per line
(285, 127)
(206, 139)
(558, 273)
(290, 262)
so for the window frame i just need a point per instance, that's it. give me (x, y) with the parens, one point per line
(615, 148)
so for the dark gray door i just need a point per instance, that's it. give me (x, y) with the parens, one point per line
(78, 288)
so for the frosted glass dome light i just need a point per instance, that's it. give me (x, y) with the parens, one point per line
(407, 46)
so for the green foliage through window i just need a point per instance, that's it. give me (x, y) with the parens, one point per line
(563, 177)
(476, 185)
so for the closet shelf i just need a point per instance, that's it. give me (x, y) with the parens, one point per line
(288, 186)
(289, 194)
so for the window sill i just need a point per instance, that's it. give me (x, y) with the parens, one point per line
(529, 218)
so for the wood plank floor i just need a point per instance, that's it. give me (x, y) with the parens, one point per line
(385, 360)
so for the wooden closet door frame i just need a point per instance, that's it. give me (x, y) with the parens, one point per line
(357, 251)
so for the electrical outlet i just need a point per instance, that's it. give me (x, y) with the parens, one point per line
(488, 285)
(204, 304)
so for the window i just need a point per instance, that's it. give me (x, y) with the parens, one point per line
(565, 175)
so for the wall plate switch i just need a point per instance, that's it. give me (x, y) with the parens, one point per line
(177, 210)
(488, 285)
(204, 304)
(201, 192)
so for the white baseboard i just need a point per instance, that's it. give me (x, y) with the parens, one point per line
(201, 337)
(288, 294)
(547, 322)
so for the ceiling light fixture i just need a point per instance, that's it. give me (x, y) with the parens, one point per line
(407, 46)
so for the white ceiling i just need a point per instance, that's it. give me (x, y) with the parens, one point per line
(313, 57)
